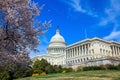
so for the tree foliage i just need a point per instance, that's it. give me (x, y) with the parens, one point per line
(19, 31)
(40, 66)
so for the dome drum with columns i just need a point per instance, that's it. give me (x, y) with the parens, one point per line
(57, 44)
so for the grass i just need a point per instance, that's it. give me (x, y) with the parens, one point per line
(84, 75)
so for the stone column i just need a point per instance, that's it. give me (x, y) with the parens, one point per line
(112, 51)
(118, 50)
(88, 49)
(79, 50)
(61, 50)
(69, 53)
(75, 51)
(115, 51)
(72, 52)
(84, 49)
(66, 54)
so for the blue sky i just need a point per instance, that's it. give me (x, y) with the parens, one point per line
(79, 19)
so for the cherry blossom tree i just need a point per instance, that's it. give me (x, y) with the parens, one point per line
(19, 30)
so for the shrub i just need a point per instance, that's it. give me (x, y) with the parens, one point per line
(5, 75)
(111, 67)
(103, 67)
(87, 68)
(57, 69)
(43, 73)
(49, 69)
(22, 72)
(79, 68)
(118, 67)
(38, 71)
(65, 70)
(35, 74)
(28, 72)
(91, 68)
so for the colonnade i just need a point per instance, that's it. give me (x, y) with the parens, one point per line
(115, 50)
(75, 51)
(56, 50)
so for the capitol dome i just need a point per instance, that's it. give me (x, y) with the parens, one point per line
(57, 40)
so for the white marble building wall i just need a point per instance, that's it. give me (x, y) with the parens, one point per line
(115, 50)
(78, 54)
(81, 53)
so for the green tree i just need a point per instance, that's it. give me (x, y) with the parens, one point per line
(57, 68)
(49, 69)
(41, 66)
(37, 67)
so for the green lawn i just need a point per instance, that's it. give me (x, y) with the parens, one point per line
(84, 75)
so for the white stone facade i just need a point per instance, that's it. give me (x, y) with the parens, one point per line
(87, 52)
(90, 52)
(56, 50)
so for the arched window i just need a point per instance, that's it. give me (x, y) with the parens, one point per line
(84, 59)
(87, 58)
(100, 50)
(93, 51)
(78, 60)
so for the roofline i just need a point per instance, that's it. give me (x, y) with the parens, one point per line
(92, 39)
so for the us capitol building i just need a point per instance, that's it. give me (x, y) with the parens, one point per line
(88, 52)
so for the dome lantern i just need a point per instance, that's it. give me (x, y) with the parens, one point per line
(57, 31)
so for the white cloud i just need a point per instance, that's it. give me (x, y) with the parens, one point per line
(76, 5)
(115, 35)
(113, 12)
(109, 15)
